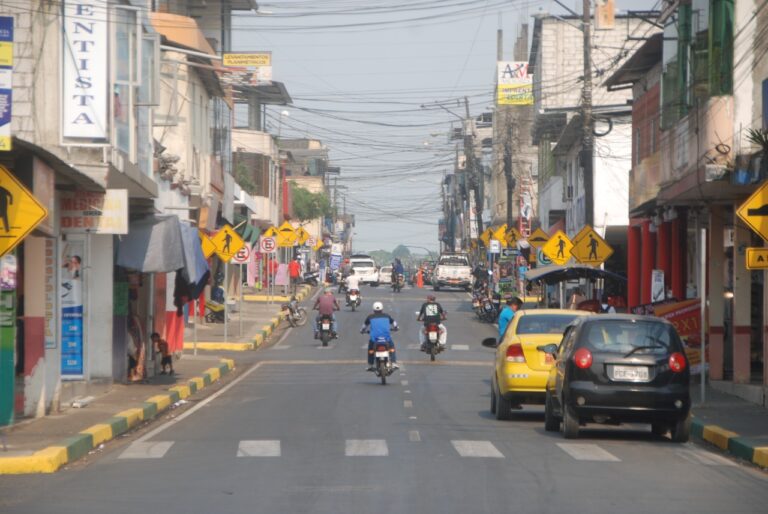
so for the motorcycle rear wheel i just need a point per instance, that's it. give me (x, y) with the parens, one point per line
(301, 317)
(325, 337)
(383, 372)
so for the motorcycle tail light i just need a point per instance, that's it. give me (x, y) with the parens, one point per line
(582, 358)
(515, 353)
(677, 362)
(382, 348)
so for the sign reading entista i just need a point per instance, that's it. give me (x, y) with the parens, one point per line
(85, 94)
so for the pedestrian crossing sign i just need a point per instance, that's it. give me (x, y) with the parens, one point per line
(227, 242)
(20, 212)
(302, 235)
(581, 233)
(591, 248)
(500, 234)
(270, 232)
(486, 237)
(558, 248)
(513, 236)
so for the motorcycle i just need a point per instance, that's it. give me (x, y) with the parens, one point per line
(353, 299)
(432, 344)
(294, 313)
(324, 332)
(398, 283)
(214, 312)
(490, 313)
(311, 278)
(382, 362)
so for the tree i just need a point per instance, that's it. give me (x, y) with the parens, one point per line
(402, 252)
(308, 205)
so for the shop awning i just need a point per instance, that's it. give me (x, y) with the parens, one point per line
(153, 245)
(556, 274)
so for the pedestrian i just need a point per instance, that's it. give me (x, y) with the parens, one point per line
(294, 272)
(161, 347)
(576, 299)
(507, 313)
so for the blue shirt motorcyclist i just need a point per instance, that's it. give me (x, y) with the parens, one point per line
(378, 325)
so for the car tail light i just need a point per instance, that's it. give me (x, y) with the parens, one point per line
(582, 358)
(515, 353)
(677, 362)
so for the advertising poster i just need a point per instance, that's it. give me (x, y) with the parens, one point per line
(6, 81)
(514, 85)
(7, 336)
(71, 301)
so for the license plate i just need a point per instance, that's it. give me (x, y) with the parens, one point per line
(382, 355)
(326, 326)
(634, 373)
(488, 307)
(353, 298)
(433, 336)
(475, 304)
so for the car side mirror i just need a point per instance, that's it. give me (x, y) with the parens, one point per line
(490, 342)
(548, 348)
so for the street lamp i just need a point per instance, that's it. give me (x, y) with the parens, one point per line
(280, 122)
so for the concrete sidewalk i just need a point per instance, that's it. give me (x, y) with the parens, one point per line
(259, 319)
(732, 424)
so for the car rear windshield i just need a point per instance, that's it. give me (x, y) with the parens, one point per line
(544, 324)
(387, 269)
(363, 264)
(637, 336)
(454, 260)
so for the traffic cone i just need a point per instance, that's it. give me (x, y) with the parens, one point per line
(419, 280)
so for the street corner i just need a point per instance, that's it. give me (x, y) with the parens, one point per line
(258, 339)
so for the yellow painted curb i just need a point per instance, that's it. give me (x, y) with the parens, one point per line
(100, 433)
(199, 382)
(258, 339)
(214, 373)
(760, 456)
(267, 329)
(718, 436)
(264, 298)
(275, 322)
(163, 401)
(231, 347)
(184, 391)
(230, 363)
(132, 416)
(47, 460)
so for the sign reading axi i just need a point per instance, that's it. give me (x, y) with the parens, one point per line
(757, 258)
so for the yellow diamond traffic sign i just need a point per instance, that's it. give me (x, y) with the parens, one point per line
(513, 236)
(20, 212)
(558, 248)
(501, 234)
(581, 233)
(286, 235)
(754, 211)
(486, 237)
(228, 243)
(757, 258)
(270, 232)
(591, 249)
(208, 247)
(302, 235)
(538, 238)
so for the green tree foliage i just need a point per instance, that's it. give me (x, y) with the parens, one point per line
(402, 252)
(244, 179)
(308, 205)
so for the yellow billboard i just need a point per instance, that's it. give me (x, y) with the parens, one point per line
(248, 59)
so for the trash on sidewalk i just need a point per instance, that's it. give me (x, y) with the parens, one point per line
(80, 402)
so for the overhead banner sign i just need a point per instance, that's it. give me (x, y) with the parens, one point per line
(513, 84)
(257, 64)
(85, 94)
(6, 81)
(94, 212)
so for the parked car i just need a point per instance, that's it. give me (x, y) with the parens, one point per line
(385, 275)
(615, 368)
(520, 368)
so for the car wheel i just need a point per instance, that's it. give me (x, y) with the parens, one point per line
(503, 407)
(659, 429)
(551, 422)
(570, 423)
(681, 430)
(493, 398)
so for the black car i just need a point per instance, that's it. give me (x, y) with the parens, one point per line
(619, 368)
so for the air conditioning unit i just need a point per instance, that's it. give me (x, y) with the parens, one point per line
(714, 172)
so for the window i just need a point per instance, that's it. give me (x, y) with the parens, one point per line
(148, 96)
(544, 324)
(721, 48)
(126, 77)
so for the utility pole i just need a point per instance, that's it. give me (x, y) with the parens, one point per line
(472, 171)
(508, 169)
(587, 148)
(335, 201)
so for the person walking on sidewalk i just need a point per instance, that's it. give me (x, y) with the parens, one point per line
(161, 347)
(294, 271)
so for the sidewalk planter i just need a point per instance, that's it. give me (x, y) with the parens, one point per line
(51, 459)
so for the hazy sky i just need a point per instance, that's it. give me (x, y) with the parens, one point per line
(360, 70)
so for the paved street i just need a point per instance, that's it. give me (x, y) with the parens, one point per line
(307, 429)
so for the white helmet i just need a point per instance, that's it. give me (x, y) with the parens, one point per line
(378, 307)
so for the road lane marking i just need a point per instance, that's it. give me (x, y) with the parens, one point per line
(403, 382)
(412, 417)
(704, 458)
(484, 449)
(366, 448)
(590, 452)
(414, 436)
(407, 391)
(142, 450)
(408, 404)
(263, 448)
(464, 347)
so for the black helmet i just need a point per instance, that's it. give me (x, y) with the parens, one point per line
(431, 297)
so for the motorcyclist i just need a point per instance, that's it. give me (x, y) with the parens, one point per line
(326, 305)
(481, 275)
(432, 313)
(352, 282)
(379, 324)
(397, 269)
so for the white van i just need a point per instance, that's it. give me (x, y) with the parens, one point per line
(365, 268)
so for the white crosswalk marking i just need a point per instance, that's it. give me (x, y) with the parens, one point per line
(588, 452)
(143, 450)
(477, 449)
(265, 448)
(403, 382)
(464, 347)
(704, 458)
(407, 404)
(414, 346)
(414, 436)
(366, 448)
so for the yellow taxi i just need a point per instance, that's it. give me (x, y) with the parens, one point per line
(521, 369)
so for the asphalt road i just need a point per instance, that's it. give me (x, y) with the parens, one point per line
(308, 430)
